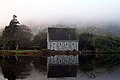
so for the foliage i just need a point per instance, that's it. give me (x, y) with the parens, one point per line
(106, 43)
(16, 35)
(85, 41)
(23, 36)
(40, 40)
(8, 35)
(0, 41)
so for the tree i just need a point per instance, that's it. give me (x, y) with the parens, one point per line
(22, 36)
(0, 42)
(40, 40)
(86, 41)
(108, 43)
(8, 33)
(16, 35)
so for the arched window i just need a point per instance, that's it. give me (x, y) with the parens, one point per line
(53, 46)
(73, 45)
(59, 45)
(66, 44)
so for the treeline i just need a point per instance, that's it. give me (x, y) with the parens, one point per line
(101, 43)
(16, 37)
(24, 39)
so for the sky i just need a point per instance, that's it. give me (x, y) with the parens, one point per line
(31, 12)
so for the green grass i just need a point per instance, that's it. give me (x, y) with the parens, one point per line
(18, 51)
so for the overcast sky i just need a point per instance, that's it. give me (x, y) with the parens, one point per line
(53, 11)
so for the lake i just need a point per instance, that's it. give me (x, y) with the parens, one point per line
(90, 67)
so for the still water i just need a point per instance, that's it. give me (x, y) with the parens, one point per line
(91, 67)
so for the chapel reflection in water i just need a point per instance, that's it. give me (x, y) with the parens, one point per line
(20, 67)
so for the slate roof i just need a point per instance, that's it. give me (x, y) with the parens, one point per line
(62, 34)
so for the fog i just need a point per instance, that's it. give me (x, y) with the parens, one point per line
(102, 75)
(37, 13)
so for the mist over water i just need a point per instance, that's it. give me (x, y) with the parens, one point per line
(35, 75)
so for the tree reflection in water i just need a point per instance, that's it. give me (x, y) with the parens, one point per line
(92, 65)
(89, 65)
(16, 68)
(40, 64)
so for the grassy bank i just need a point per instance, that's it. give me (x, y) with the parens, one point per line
(46, 52)
(18, 51)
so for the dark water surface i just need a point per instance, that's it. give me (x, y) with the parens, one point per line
(91, 67)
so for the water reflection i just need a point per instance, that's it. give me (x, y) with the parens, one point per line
(87, 65)
(16, 67)
(62, 66)
(92, 67)
(40, 64)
